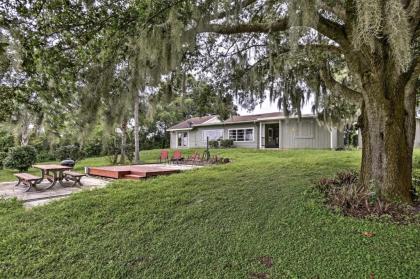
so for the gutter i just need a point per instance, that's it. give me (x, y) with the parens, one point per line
(180, 129)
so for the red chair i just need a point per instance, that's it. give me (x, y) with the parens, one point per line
(164, 156)
(177, 157)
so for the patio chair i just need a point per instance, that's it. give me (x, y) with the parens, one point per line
(177, 157)
(164, 156)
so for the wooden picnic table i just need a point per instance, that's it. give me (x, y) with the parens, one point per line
(53, 173)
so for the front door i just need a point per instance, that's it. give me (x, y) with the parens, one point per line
(272, 135)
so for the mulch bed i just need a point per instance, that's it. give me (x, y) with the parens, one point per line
(342, 193)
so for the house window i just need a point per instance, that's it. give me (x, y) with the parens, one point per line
(213, 134)
(242, 135)
(182, 139)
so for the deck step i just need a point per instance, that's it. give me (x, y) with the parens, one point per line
(139, 173)
(133, 176)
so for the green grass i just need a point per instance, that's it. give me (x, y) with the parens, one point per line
(208, 223)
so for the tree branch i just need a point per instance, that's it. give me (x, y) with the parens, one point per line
(325, 26)
(334, 31)
(337, 9)
(338, 88)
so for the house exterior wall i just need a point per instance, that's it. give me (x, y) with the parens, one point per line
(246, 144)
(417, 139)
(306, 133)
(172, 136)
(200, 141)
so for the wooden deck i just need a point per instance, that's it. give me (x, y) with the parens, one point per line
(131, 172)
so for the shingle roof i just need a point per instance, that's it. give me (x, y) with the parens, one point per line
(189, 123)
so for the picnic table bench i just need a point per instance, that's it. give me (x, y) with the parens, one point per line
(53, 173)
(73, 176)
(28, 180)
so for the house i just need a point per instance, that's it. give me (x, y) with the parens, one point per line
(269, 130)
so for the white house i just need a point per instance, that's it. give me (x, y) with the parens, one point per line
(269, 130)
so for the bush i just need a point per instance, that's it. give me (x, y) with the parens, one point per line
(3, 156)
(45, 156)
(21, 158)
(343, 193)
(92, 149)
(69, 152)
(226, 143)
(214, 143)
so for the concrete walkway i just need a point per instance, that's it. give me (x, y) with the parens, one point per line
(35, 198)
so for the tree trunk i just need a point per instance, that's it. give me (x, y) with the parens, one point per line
(24, 129)
(123, 142)
(387, 122)
(136, 130)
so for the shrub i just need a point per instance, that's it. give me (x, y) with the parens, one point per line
(347, 177)
(3, 156)
(214, 143)
(226, 143)
(45, 156)
(21, 158)
(71, 152)
(344, 193)
(92, 149)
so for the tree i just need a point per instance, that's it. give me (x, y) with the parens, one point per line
(136, 130)
(379, 42)
(359, 51)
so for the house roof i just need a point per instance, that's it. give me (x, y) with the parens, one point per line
(189, 124)
(253, 117)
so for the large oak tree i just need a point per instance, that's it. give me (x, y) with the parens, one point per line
(378, 44)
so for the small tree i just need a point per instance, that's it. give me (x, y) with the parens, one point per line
(21, 158)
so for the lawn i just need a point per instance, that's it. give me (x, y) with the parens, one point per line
(214, 222)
